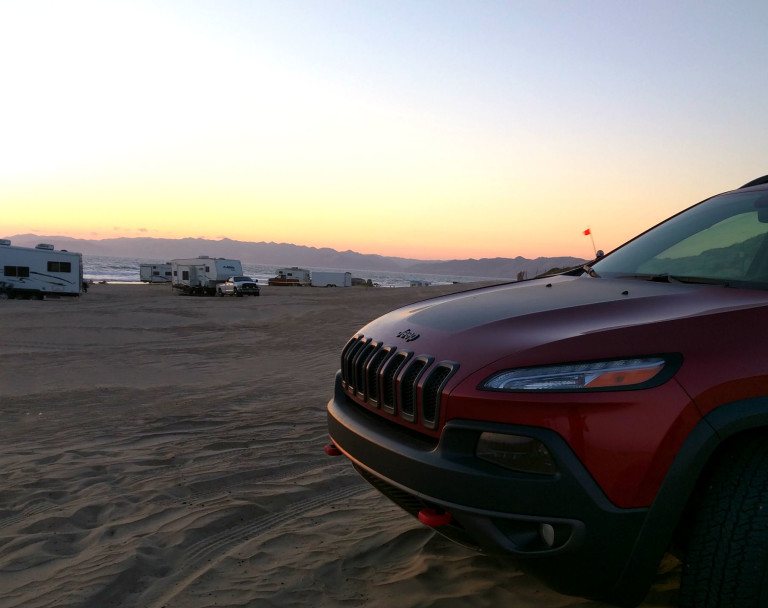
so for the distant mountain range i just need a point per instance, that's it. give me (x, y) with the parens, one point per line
(286, 254)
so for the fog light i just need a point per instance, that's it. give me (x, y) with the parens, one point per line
(516, 452)
(555, 536)
(547, 532)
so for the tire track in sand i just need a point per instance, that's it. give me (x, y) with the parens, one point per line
(204, 554)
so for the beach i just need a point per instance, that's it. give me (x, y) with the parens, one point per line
(167, 451)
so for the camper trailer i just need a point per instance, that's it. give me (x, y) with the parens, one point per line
(199, 276)
(294, 276)
(155, 273)
(35, 272)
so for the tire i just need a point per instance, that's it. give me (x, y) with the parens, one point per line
(726, 563)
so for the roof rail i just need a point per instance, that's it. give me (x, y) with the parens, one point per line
(756, 182)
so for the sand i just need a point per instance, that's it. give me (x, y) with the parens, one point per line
(167, 451)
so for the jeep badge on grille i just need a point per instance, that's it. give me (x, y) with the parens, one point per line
(408, 335)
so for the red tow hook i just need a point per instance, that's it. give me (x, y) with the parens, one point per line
(434, 518)
(332, 450)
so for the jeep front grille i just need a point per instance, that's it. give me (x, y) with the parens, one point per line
(402, 384)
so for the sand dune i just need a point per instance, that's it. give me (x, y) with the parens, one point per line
(167, 451)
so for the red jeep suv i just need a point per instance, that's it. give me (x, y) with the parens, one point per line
(586, 423)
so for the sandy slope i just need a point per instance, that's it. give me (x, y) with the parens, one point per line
(163, 451)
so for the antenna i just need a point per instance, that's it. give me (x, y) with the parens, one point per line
(588, 232)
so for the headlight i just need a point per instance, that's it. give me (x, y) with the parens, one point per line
(616, 374)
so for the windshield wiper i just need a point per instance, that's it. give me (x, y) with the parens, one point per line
(707, 281)
(590, 271)
(665, 277)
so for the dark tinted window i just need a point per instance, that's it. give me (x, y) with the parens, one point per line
(16, 271)
(59, 267)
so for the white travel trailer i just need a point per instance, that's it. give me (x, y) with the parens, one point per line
(291, 276)
(35, 272)
(155, 273)
(199, 276)
(331, 279)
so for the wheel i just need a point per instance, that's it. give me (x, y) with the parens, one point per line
(726, 563)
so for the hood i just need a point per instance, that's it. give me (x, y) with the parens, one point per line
(550, 315)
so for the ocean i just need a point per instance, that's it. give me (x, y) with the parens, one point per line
(98, 268)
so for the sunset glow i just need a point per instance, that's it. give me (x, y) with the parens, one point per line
(434, 130)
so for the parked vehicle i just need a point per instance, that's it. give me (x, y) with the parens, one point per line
(331, 279)
(155, 273)
(238, 286)
(586, 423)
(291, 277)
(36, 272)
(200, 276)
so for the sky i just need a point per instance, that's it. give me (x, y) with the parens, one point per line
(434, 129)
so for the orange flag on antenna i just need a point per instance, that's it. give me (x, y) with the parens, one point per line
(587, 232)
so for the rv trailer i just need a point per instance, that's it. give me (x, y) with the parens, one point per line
(36, 272)
(294, 276)
(199, 276)
(155, 273)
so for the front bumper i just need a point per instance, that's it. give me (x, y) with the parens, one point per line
(493, 509)
(248, 289)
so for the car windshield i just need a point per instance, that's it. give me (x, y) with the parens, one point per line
(721, 240)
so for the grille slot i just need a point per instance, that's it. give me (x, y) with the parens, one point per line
(347, 359)
(399, 383)
(358, 365)
(389, 381)
(409, 388)
(432, 392)
(372, 373)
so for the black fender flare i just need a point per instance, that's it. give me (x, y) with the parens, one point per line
(720, 425)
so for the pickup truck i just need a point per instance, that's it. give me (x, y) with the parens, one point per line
(585, 424)
(238, 286)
